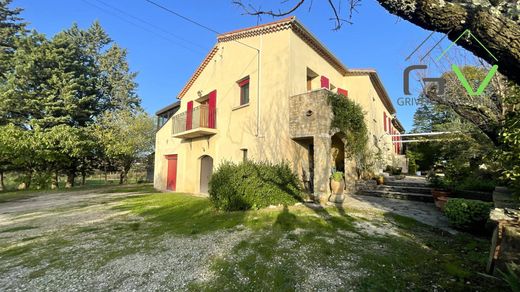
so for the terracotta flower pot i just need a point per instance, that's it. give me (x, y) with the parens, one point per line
(440, 202)
(436, 193)
(337, 187)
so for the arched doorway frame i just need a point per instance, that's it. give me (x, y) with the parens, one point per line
(205, 172)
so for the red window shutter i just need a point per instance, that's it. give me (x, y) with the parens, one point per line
(243, 82)
(384, 119)
(212, 104)
(389, 124)
(324, 82)
(343, 92)
(189, 116)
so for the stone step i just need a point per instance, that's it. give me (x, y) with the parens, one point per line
(397, 195)
(405, 189)
(406, 183)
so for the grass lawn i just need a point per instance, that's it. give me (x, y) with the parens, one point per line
(179, 242)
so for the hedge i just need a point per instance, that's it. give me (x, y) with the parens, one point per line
(253, 185)
(470, 215)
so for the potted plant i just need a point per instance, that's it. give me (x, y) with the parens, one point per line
(440, 191)
(380, 179)
(440, 202)
(439, 187)
(337, 185)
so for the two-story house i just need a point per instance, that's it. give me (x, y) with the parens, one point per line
(261, 94)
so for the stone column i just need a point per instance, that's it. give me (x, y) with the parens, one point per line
(322, 165)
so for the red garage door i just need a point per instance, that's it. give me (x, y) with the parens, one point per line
(171, 180)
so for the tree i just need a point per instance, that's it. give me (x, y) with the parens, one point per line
(58, 88)
(495, 23)
(10, 28)
(509, 152)
(429, 114)
(126, 137)
(19, 150)
(486, 111)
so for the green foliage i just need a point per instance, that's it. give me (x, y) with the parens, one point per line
(394, 170)
(468, 215)
(125, 137)
(10, 29)
(52, 93)
(437, 181)
(337, 176)
(509, 153)
(473, 183)
(412, 164)
(512, 276)
(349, 119)
(253, 185)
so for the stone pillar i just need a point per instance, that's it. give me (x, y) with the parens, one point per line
(322, 165)
(505, 243)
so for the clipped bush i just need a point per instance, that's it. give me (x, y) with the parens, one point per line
(470, 215)
(476, 184)
(253, 185)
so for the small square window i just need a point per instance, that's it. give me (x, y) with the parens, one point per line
(244, 90)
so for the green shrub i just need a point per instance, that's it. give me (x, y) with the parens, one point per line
(253, 185)
(396, 170)
(475, 184)
(512, 276)
(412, 167)
(467, 214)
(337, 176)
(437, 181)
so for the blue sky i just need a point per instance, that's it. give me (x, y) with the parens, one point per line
(165, 50)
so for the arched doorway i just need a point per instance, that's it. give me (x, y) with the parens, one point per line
(338, 152)
(206, 169)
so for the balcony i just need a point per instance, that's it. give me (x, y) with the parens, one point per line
(201, 121)
(309, 114)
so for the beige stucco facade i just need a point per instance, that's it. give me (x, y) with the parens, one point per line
(275, 125)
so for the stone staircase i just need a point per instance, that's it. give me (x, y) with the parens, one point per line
(409, 188)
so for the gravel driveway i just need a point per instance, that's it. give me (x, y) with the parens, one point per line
(88, 240)
(73, 232)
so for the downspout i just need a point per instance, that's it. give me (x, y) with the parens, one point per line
(258, 90)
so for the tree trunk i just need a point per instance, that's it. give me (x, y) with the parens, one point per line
(122, 176)
(2, 186)
(83, 178)
(106, 175)
(54, 181)
(497, 32)
(71, 175)
(124, 172)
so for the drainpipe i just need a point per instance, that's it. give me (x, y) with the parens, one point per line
(258, 91)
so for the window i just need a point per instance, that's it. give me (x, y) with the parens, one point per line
(244, 154)
(311, 75)
(244, 90)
